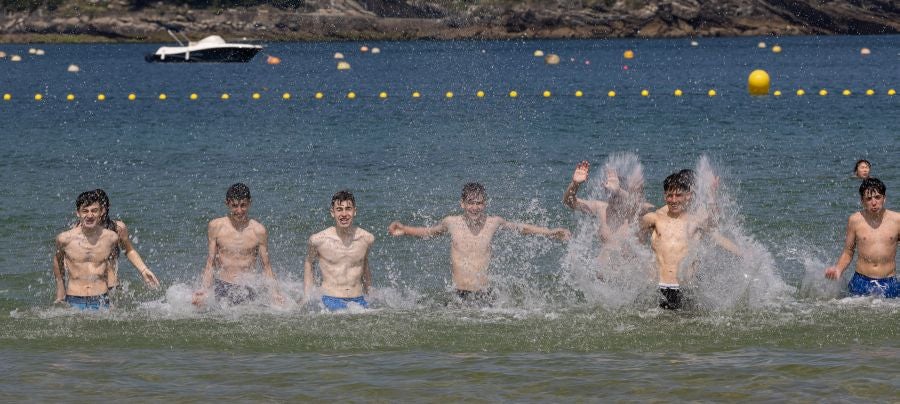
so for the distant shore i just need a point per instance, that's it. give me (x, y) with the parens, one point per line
(78, 21)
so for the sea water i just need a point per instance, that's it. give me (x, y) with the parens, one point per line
(766, 325)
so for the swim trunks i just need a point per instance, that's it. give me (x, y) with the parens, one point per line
(861, 285)
(88, 302)
(234, 294)
(340, 303)
(484, 297)
(670, 296)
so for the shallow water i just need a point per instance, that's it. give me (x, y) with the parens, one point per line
(556, 333)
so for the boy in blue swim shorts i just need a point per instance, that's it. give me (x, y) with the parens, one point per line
(874, 231)
(342, 254)
(82, 264)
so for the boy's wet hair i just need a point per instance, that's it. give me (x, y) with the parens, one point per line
(105, 221)
(861, 161)
(87, 198)
(341, 196)
(872, 185)
(473, 189)
(237, 192)
(681, 181)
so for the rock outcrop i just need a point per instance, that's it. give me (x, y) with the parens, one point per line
(122, 20)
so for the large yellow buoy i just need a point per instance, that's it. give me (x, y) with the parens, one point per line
(758, 82)
(891, 92)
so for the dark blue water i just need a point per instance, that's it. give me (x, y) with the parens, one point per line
(785, 161)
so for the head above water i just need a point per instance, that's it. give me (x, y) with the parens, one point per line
(473, 190)
(343, 196)
(237, 192)
(872, 186)
(862, 168)
(682, 181)
(87, 198)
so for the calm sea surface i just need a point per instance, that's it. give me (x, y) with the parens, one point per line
(766, 328)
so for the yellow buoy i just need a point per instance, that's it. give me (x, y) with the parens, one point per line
(761, 45)
(776, 49)
(382, 95)
(846, 92)
(286, 96)
(547, 94)
(351, 95)
(777, 93)
(162, 97)
(7, 97)
(225, 96)
(645, 93)
(711, 93)
(479, 94)
(342, 65)
(513, 94)
(678, 92)
(870, 92)
(892, 92)
(38, 97)
(256, 96)
(629, 54)
(538, 53)
(801, 93)
(611, 94)
(823, 92)
(70, 97)
(449, 95)
(101, 97)
(758, 82)
(194, 96)
(416, 94)
(319, 96)
(579, 93)
(132, 97)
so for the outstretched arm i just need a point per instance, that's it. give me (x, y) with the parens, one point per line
(135, 258)
(58, 272)
(727, 244)
(309, 283)
(835, 271)
(524, 228)
(578, 177)
(399, 229)
(267, 266)
(206, 278)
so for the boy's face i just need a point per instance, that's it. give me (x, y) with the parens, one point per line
(862, 171)
(473, 206)
(343, 213)
(677, 200)
(873, 202)
(89, 215)
(238, 209)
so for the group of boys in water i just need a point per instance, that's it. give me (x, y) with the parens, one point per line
(86, 270)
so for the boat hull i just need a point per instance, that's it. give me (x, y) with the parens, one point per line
(220, 55)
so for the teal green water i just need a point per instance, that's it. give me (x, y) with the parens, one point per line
(767, 329)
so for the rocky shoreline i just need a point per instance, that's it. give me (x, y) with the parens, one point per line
(120, 21)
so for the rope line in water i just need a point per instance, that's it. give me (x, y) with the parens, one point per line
(480, 94)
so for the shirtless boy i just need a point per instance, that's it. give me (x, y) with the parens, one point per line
(623, 206)
(470, 242)
(82, 263)
(875, 230)
(342, 252)
(674, 230)
(235, 242)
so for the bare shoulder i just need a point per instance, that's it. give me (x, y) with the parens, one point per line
(64, 237)
(316, 238)
(365, 235)
(257, 227)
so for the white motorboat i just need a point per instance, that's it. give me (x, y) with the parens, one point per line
(212, 49)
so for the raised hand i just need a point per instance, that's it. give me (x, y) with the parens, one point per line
(581, 172)
(612, 181)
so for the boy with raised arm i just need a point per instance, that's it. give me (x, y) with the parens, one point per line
(470, 242)
(875, 231)
(342, 252)
(623, 206)
(82, 262)
(235, 242)
(673, 231)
